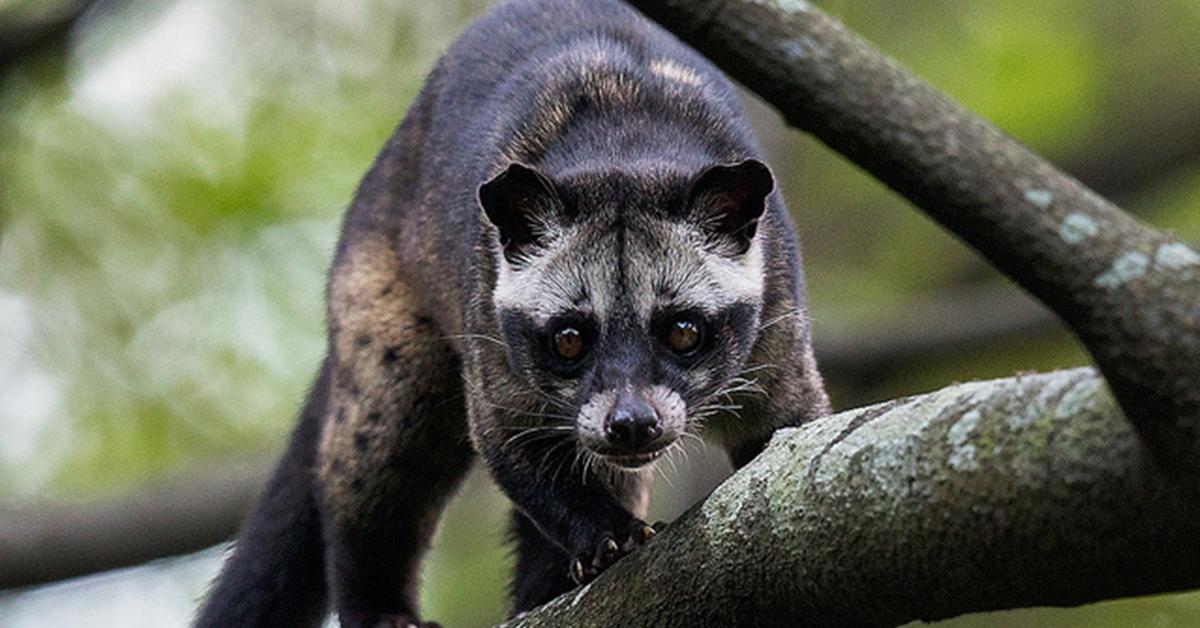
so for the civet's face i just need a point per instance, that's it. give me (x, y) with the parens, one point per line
(628, 305)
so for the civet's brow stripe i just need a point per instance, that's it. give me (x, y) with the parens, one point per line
(661, 258)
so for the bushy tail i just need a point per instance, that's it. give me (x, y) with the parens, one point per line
(275, 576)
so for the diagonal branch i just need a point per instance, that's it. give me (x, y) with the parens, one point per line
(982, 496)
(1130, 293)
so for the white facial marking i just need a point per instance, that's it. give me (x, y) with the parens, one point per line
(672, 71)
(520, 288)
(740, 278)
(569, 266)
(671, 408)
(681, 261)
(590, 423)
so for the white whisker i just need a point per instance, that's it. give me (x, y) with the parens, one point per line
(779, 319)
(478, 337)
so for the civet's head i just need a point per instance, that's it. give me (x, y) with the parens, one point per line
(629, 301)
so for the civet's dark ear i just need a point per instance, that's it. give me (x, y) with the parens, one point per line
(521, 202)
(728, 199)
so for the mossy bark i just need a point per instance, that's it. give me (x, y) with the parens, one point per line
(1010, 493)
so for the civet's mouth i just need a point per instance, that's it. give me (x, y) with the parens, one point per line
(633, 461)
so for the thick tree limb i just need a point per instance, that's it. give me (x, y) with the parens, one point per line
(1130, 293)
(44, 543)
(982, 496)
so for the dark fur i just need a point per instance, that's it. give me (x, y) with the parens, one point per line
(385, 437)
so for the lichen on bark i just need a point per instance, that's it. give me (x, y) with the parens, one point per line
(865, 518)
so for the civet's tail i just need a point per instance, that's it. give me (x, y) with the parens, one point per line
(275, 576)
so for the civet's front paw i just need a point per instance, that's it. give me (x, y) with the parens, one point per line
(592, 561)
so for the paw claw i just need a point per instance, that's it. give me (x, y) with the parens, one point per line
(590, 563)
(578, 573)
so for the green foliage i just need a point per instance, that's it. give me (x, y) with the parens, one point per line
(169, 245)
(170, 192)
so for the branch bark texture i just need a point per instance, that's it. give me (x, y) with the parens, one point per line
(1010, 493)
(1130, 293)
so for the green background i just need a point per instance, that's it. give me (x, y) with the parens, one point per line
(172, 174)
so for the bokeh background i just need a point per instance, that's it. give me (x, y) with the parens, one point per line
(172, 174)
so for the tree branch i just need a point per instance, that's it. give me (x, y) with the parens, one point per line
(1130, 293)
(49, 542)
(981, 496)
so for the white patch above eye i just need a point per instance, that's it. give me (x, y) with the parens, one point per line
(694, 274)
(549, 284)
(522, 288)
(671, 256)
(739, 278)
(672, 71)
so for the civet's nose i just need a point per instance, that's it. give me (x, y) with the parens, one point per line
(632, 425)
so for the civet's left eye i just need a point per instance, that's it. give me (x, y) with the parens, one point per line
(569, 343)
(683, 336)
